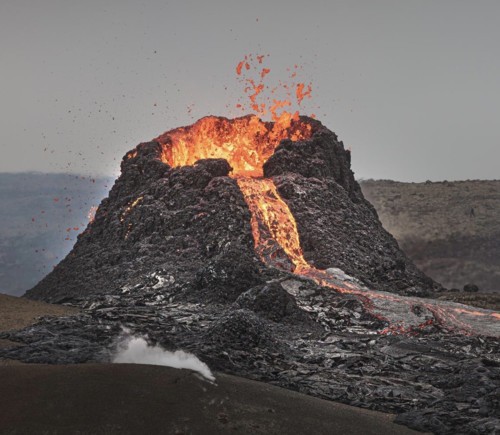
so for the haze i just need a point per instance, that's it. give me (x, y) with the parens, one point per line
(412, 87)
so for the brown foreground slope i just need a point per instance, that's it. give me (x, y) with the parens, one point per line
(136, 399)
(451, 230)
(17, 313)
(133, 399)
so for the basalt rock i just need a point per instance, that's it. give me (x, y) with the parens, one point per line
(273, 302)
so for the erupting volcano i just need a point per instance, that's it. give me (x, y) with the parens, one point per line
(249, 243)
(265, 226)
(291, 154)
(250, 151)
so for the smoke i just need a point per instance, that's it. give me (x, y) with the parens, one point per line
(136, 350)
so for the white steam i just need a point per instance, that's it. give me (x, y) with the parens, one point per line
(136, 350)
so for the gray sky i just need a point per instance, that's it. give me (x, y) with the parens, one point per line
(413, 87)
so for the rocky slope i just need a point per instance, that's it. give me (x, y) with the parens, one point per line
(451, 230)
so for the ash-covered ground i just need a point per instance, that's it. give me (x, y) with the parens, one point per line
(171, 255)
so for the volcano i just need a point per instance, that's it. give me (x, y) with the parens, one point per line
(224, 204)
(199, 198)
(250, 244)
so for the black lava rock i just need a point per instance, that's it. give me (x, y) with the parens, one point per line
(271, 301)
(471, 288)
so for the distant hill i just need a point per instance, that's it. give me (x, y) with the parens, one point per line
(451, 230)
(40, 217)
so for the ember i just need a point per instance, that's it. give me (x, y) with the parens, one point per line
(91, 213)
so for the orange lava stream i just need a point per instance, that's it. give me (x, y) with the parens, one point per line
(269, 212)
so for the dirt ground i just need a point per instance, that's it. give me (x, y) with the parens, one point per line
(451, 230)
(17, 313)
(132, 399)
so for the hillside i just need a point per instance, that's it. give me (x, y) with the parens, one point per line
(451, 230)
(40, 217)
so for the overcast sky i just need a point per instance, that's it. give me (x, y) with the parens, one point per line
(412, 87)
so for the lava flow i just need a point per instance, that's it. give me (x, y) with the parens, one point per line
(273, 226)
(277, 243)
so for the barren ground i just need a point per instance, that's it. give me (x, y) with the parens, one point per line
(129, 399)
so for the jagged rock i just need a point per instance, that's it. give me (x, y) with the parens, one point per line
(240, 329)
(321, 157)
(273, 302)
(471, 288)
(224, 279)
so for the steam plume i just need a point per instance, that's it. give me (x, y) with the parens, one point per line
(136, 350)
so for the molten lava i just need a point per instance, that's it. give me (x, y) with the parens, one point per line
(272, 223)
(246, 143)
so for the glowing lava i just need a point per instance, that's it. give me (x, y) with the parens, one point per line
(246, 143)
(273, 225)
